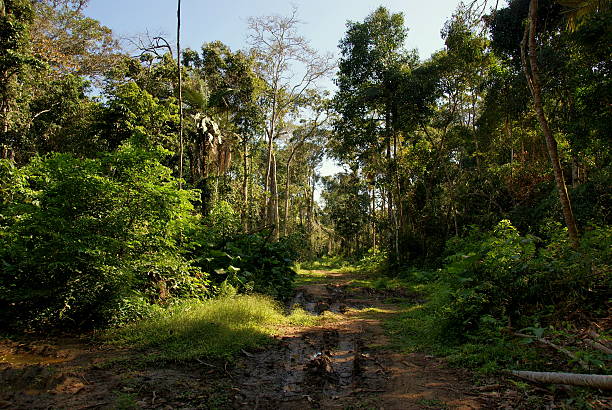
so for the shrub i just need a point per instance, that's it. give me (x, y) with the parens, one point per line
(79, 237)
(511, 277)
(250, 263)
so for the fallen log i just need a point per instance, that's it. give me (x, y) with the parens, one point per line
(598, 381)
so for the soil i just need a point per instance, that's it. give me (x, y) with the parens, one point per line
(345, 363)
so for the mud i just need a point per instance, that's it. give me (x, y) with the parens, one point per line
(344, 363)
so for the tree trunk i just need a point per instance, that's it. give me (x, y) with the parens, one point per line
(286, 216)
(245, 188)
(533, 79)
(180, 90)
(311, 201)
(273, 216)
(373, 215)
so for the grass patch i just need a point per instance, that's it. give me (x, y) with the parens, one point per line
(326, 262)
(216, 328)
(305, 277)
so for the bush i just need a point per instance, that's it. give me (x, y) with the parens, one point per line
(79, 237)
(249, 263)
(512, 278)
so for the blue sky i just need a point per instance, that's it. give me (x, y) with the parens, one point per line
(324, 22)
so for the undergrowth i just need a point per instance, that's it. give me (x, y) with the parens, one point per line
(498, 284)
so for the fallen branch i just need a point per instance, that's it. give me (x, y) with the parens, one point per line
(598, 346)
(598, 381)
(594, 334)
(557, 348)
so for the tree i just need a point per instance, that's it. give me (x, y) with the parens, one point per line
(578, 10)
(71, 43)
(371, 69)
(223, 86)
(289, 67)
(346, 205)
(308, 130)
(180, 89)
(532, 74)
(15, 57)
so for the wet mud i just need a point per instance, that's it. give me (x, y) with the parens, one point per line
(345, 363)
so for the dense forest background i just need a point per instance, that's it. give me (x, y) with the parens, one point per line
(129, 182)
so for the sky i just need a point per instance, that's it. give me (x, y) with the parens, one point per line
(323, 22)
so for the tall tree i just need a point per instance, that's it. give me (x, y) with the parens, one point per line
(532, 74)
(289, 66)
(372, 66)
(70, 42)
(180, 89)
(15, 57)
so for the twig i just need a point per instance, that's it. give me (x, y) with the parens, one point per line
(206, 364)
(91, 406)
(558, 348)
(598, 346)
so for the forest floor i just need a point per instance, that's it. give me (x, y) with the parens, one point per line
(346, 361)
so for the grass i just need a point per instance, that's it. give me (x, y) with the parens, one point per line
(326, 262)
(359, 277)
(216, 328)
(306, 277)
(418, 328)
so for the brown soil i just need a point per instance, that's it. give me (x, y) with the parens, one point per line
(344, 363)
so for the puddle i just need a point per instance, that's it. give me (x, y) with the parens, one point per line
(24, 359)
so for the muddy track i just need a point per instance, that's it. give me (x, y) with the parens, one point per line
(343, 363)
(346, 363)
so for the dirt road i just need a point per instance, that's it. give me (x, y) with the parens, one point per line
(345, 362)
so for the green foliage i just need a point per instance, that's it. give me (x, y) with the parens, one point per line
(133, 113)
(81, 238)
(512, 277)
(374, 260)
(249, 263)
(222, 222)
(497, 281)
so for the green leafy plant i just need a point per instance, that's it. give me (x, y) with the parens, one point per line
(82, 238)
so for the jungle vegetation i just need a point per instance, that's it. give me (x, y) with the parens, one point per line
(483, 170)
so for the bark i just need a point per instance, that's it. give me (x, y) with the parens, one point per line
(597, 381)
(311, 202)
(307, 211)
(530, 68)
(286, 216)
(373, 215)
